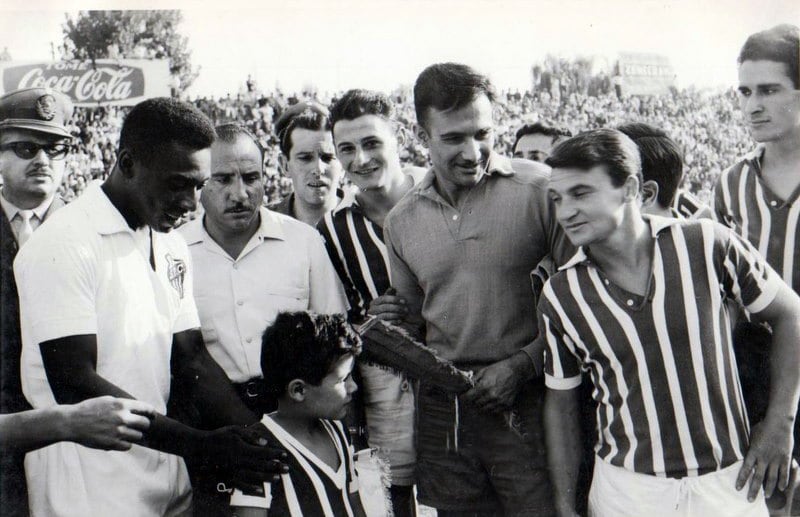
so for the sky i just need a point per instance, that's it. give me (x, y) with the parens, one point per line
(381, 44)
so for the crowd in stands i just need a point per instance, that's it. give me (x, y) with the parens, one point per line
(706, 124)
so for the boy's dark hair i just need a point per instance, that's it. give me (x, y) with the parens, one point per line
(356, 103)
(230, 131)
(607, 147)
(304, 345)
(538, 128)
(448, 86)
(303, 115)
(780, 43)
(152, 125)
(662, 159)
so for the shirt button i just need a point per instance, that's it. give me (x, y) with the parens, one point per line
(235, 266)
(249, 340)
(455, 218)
(606, 281)
(773, 202)
(630, 303)
(240, 303)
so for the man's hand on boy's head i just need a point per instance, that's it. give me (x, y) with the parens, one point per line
(243, 452)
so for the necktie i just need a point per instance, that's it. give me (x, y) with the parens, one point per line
(25, 229)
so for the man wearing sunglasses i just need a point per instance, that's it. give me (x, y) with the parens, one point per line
(33, 145)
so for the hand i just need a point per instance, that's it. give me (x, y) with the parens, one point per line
(108, 423)
(389, 307)
(770, 455)
(497, 385)
(245, 453)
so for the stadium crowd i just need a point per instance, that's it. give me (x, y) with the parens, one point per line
(707, 124)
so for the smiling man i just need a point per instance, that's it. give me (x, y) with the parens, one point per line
(107, 308)
(461, 245)
(641, 307)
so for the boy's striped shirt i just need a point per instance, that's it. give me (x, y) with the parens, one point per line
(664, 373)
(311, 488)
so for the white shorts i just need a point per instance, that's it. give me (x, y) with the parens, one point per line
(619, 492)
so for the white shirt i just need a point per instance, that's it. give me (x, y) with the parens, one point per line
(284, 267)
(84, 273)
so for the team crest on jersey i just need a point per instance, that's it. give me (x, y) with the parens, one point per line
(176, 272)
(46, 107)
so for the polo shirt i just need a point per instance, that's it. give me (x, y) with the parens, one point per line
(83, 272)
(466, 271)
(688, 206)
(743, 202)
(284, 267)
(662, 365)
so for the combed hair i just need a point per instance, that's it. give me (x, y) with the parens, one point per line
(154, 124)
(538, 128)
(662, 159)
(309, 115)
(448, 86)
(304, 345)
(607, 147)
(780, 43)
(231, 131)
(357, 103)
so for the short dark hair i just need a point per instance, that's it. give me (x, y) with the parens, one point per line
(448, 86)
(607, 147)
(662, 159)
(538, 128)
(303, 115)
(357, 103)
(304, 345)
(780, 43)
(154, 124)
(231, 131)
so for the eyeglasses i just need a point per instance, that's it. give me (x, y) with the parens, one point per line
(27, 150)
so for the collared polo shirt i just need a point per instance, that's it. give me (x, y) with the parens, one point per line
(662, 365)
(466, 271)
(743, 202)
(84, 273)
(284, 267)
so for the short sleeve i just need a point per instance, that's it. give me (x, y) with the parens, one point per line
(56, 280)
(746, 276)
(561, 366)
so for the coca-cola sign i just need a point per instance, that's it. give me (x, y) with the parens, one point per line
(120, 82)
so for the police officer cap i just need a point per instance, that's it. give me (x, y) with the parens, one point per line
(36, 109)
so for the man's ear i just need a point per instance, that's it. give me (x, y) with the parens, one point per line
(296, 390)
(649, 194)
(631, 188)
(422, 135)
(125, 163)
(402, 136)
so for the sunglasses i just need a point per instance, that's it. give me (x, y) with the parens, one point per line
(27, 150)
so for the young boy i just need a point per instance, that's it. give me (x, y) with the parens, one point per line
(307, 361)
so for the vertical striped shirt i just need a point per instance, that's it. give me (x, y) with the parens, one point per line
(744, 203)
(688, 206)
(311, 488)
(662, 365)
(356, 249)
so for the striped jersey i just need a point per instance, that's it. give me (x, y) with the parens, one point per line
(688, 206)
(311, 488)
(662, 365)
(356, 249)
(744, 203)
